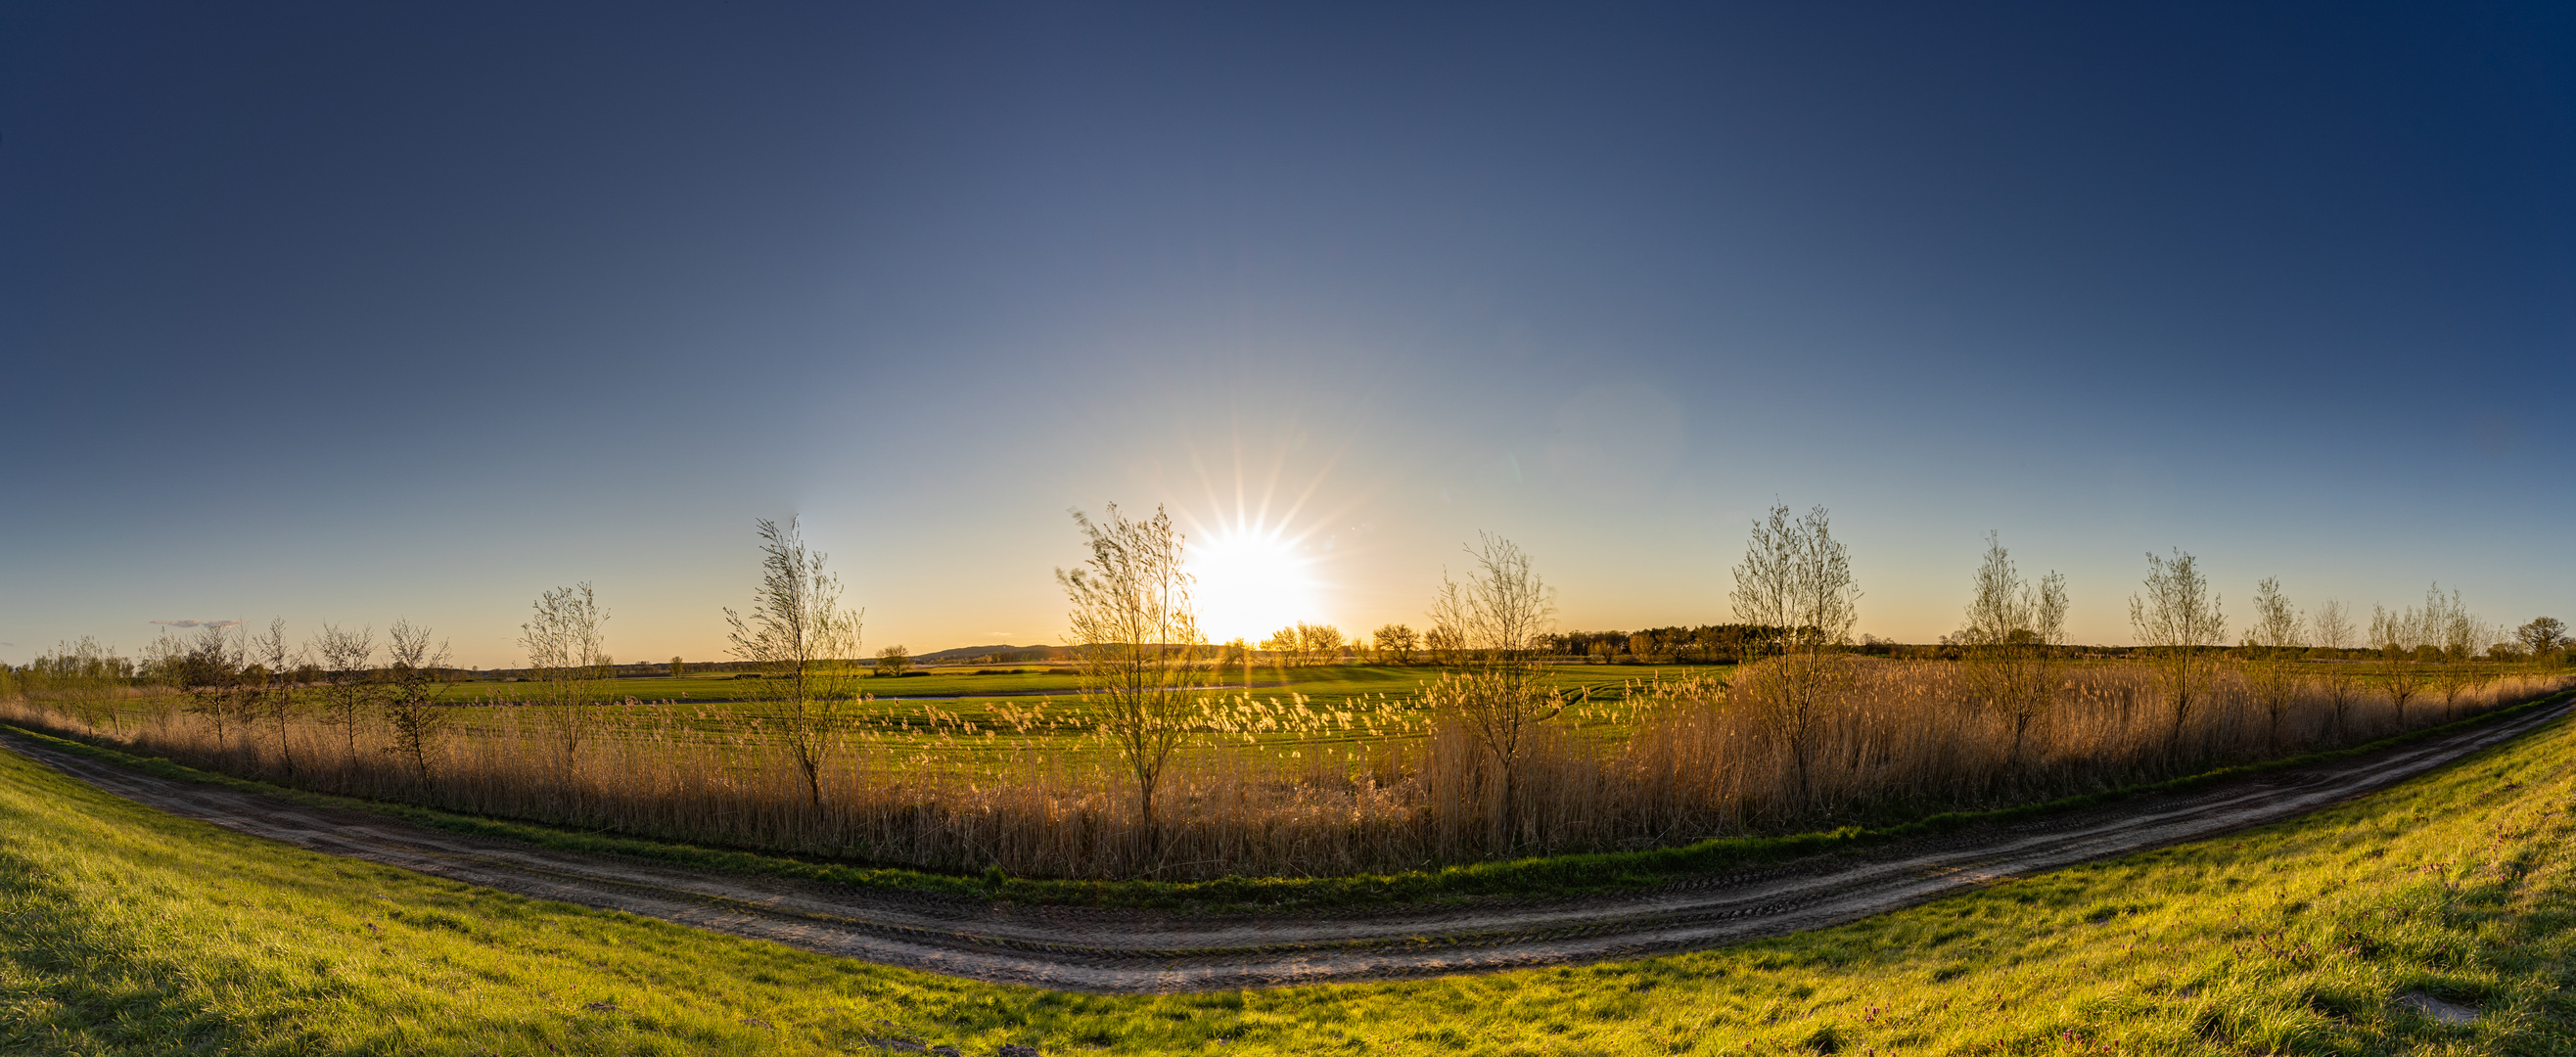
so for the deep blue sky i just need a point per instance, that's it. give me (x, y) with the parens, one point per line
(341, 312)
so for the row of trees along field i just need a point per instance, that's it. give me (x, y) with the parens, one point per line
(242, 686)
(1152, 760)
(1304, 645)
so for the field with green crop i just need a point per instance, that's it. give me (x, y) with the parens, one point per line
(1283, 708)
(955, 719)
(1330, 684)
(126, 931)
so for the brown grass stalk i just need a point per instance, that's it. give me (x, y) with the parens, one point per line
(1284, 788)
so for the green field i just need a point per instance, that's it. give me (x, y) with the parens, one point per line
(126, 931)
(1034, 708)
(1330, 683)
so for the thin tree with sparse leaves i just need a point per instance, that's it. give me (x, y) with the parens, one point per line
(270, 687)
(1502, 614)
(2460, 636)
(1136, 643)
(2273, 643)
(2178, 619)
(805, 643)
(209, 672)
(2403, 638)
(567, 648)
(1796, 590)
(2013, 630)
(408, 696)
(2332, 630)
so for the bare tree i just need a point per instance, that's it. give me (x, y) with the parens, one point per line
(567, 646)
(164, 662)
(1286, 648)
(1795, 588)
(2331, 629)
(345, 657)
(1445, 645)
(2543, 636)
(1502, 614)
(2273, 643)
(2013, 630)
(2176, 620)
(2048, 615)
(1319, 643)
(1405, 652)
(271, 694)
(1396, 643)
(2460, 636)
(86, 678)
(1136, 641)
(894, 660)
(210, 674)
(409, 695)
(806, 642)
(2408, 642)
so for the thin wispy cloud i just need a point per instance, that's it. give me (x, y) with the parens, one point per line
(200, 623)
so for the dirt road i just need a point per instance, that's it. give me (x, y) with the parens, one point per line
(1086, 949)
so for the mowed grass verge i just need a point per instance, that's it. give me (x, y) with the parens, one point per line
(123, 930)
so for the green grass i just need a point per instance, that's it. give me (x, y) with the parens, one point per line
(724, 687)
(1329, 683)
(123, 930)
(952, 719)
(1036, 710)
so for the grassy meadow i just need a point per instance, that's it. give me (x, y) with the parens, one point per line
(1335, 685)
(123, 930)
(955, 720)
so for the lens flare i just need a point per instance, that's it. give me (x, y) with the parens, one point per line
(1259, 542)
(1251, 582)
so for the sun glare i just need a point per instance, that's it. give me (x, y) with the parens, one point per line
(1250, 583)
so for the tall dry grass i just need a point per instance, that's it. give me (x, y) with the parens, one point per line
(1378, 789)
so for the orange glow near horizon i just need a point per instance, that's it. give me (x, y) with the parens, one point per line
(1254, 540)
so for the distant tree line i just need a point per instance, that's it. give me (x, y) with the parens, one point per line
(1692, 644)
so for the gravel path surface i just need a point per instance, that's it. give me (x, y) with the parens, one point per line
(1132, 951)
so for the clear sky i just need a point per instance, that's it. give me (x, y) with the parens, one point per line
(343, 312)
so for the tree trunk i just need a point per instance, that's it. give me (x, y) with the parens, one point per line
(1145, 811)
(284, 752)
(1798, 753)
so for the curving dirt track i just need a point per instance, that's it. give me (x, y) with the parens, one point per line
(1127, 951)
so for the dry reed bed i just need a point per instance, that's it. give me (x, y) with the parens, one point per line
(1377, 789)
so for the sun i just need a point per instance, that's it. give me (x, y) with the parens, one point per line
(1257, 544)
(1251, 582)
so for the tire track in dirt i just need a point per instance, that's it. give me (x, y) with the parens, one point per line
(1140, 951)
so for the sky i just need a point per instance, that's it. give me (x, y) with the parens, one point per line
(341, 313)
